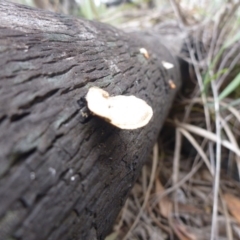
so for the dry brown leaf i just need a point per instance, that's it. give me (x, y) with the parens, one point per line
(165, 204)
(182, 232)
(233, 204)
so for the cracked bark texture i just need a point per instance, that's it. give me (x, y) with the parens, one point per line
(59, 178)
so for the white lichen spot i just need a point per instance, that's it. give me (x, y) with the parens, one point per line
(32, 175)
(26, 48)
(84, 115)
(167, 65)
(52, 171)
(125, 112)
(144, 52)
(69, 58)
(86, 36)
(72, 178)
(113, 67)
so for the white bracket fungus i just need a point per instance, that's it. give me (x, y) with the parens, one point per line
(171, 84)
(167, 65)
(125, 112)
(144, 52)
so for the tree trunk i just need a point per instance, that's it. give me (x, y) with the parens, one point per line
(61, 178)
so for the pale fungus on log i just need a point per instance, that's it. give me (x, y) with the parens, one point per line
(125, 112)
(167, 65)
(144, 52)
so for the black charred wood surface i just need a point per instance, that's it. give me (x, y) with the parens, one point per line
(61, 179)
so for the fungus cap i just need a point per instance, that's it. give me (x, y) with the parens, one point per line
(144, 52)
(125, 112)
(171, 84)
(167, 65)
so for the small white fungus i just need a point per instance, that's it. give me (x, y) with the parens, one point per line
(171, 84)
(125, 112)
(167, 65)
(52, 171)
(144, 52)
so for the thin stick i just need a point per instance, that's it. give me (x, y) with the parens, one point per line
(232, 139)
(179, 184)
(153, 172)
(198, 148)
(176, 161)
(228, 222)
(178, 13)
(214, 229)
(209, 135)
(231, 109)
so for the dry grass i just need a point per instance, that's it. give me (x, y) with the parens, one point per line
(190, 189)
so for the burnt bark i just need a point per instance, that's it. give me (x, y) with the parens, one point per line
(60, 178)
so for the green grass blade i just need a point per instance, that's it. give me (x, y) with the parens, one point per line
(231, 87)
